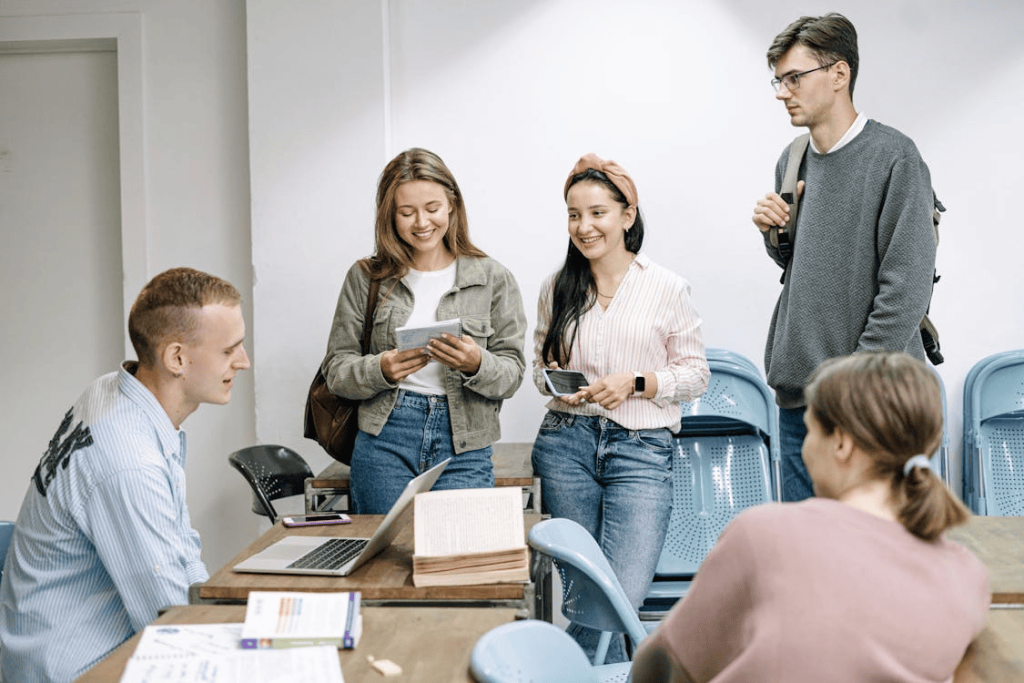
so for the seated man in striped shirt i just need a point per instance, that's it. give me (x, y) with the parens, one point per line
(104, 539)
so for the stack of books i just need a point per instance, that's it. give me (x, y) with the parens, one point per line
(469, 536)
(280, 619)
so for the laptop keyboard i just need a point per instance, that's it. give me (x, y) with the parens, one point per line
(333, 554)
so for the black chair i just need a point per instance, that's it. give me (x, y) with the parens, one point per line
(273, 472)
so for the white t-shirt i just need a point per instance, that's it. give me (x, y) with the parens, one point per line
(427, 290)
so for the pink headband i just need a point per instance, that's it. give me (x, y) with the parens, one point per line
(615, 173)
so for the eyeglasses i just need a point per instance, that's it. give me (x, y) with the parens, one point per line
(792, 81)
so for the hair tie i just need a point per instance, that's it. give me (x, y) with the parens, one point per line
(616, 174)
(917, 461)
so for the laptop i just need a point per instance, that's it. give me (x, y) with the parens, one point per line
(324, 556)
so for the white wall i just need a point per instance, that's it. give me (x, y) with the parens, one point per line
(195, 182)
(511, 94)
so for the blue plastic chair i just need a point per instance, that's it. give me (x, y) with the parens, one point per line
(726, 451)
(532, 651)
(591, 593)
(994, 435)
(6, 530)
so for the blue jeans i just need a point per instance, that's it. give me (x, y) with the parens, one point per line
(617, 484)
(417, 436)
(796, 482)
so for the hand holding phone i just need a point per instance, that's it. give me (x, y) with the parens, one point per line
(314, 520)
(564, 382)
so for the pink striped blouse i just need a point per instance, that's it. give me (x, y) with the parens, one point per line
(649, 326)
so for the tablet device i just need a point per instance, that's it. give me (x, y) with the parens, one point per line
(418, 337)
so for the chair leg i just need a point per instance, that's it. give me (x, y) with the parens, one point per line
(602, 648)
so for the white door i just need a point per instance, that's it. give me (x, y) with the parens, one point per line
(60, 247)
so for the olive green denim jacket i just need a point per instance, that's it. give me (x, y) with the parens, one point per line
(486, 298)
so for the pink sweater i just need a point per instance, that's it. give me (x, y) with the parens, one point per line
(820, 591)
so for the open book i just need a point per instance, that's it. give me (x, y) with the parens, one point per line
(281, 619)
(469, 536)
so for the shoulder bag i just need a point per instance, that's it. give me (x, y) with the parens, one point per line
(331, 420)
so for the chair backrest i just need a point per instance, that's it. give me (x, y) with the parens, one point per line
(993, 457)
(725, 450)
(731, 357)
(714, 478)
(591, 593)
(273, 472)
(529, 651)
(737, 401)
(6, 530)
(970, 463)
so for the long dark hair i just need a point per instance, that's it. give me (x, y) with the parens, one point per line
(574, 289)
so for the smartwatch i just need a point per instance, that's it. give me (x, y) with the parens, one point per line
(639, 383)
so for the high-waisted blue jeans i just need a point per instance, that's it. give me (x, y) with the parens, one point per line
(417, 436)
(616, 483)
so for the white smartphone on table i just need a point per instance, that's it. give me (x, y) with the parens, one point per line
(313, 520)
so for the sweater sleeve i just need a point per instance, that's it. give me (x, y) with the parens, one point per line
(780, 173)
(906, 258)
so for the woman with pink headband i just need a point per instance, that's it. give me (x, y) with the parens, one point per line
(604, 452)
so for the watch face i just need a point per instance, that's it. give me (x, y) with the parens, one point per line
(639, 384)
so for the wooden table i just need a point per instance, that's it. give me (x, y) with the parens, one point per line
(434, 643)
(999, 543)
(998, 653)
(512, 467)
(385, 579)
(429, 643)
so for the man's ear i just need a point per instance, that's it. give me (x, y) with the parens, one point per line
(841, 76)
(173, 358)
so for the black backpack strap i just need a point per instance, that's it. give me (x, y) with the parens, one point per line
(784, 238)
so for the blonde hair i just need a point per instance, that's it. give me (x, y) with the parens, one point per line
(890, 404)
(166, 309)
(393, 257)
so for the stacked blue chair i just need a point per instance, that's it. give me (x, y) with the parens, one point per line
(591, 593)
(993, 446)
(726, 459)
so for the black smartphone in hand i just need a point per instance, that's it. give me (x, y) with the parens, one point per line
(564, 382)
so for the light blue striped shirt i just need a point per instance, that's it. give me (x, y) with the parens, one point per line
(103, 539)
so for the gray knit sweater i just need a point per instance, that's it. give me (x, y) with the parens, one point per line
(861, 275)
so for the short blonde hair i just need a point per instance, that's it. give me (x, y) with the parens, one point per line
(166, 309)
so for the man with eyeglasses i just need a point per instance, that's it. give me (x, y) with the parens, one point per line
(860, 274)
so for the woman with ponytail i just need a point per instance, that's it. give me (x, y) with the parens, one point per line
(604, 453)
(856, 584)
